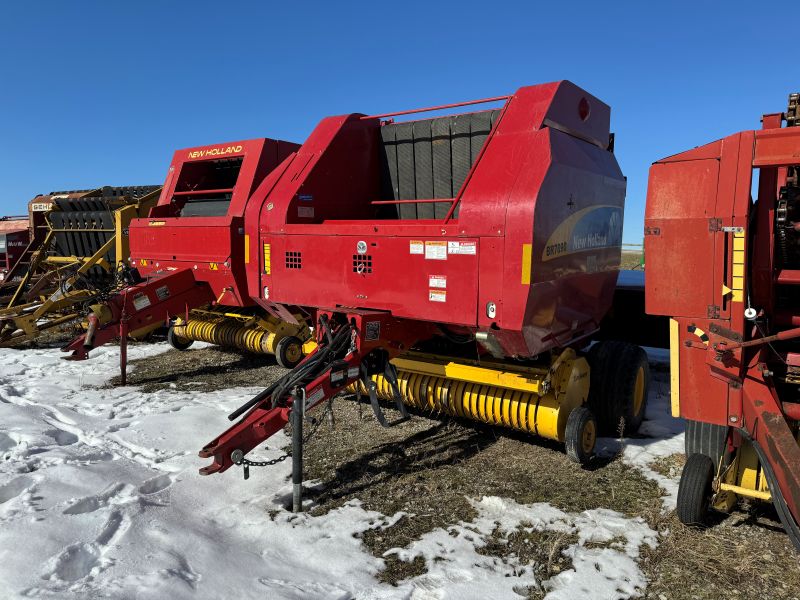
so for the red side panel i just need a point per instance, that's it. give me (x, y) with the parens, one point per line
(679, 245)
(411, 277)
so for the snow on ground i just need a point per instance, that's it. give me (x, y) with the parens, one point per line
(100, 498)
(456, 570)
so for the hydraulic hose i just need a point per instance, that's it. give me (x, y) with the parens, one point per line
(308, 370)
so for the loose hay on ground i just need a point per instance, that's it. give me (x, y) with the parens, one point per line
(202, 370)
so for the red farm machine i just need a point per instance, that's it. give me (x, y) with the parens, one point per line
(193, 257)
(722, 240)
(14, 239)
(459, 264)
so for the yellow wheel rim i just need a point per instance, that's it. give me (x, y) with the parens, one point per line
(293, 352)
(588, 436)
(638, 392)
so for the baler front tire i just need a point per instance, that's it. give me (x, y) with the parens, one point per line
(289, 352)
(694, 491)
(619, 385)
(176, 341)
(580, 435)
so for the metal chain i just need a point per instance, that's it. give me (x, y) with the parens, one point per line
(262, 463)
(246, 462)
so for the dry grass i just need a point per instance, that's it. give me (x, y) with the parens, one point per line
(206, 369)
(631, 260)
(669, 466)
(543, 550)
(746, 555)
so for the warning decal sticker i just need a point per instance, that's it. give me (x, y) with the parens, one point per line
(437, 281)
(462, 247)
(436, 250)
(141, 301)
(437, 295)
(416, 247)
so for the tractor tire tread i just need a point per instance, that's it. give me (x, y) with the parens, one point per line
(614, 366)
(694, 490)
(177, 342)
(280, 352)
(573, 435)
(705, 438)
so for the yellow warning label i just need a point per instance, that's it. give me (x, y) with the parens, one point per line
(213, 266)
(267, 260)
(526, 264)
(247, 248)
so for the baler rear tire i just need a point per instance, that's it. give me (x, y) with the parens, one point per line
(619, 385)
(694, 491)
(580, 435)
(289, 352)
(176, 341)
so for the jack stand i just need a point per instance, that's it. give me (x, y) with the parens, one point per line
(123, 353)
(297, 416)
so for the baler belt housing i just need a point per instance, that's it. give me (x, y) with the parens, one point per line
(429, 159)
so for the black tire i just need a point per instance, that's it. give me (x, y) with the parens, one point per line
(289, 352)
(705, 438)
(580, 435)
(619, 385)
(176, 341)
(694, 491)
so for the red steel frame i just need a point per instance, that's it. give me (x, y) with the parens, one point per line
(709, 258)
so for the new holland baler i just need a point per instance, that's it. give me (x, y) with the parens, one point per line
(460, 264)
(190, 259)
(724, 264)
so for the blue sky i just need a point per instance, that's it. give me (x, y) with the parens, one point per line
(102, 93)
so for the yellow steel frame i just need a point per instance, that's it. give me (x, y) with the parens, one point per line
(742, 477)
(26, 320)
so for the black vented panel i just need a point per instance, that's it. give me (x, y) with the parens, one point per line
(480, 126)
(388, 159)
(423, 168)
(294, 260)
(82, 226)
(460, 147)
(405, 169)
(442, 166)
(422, 160)
(362, 263)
